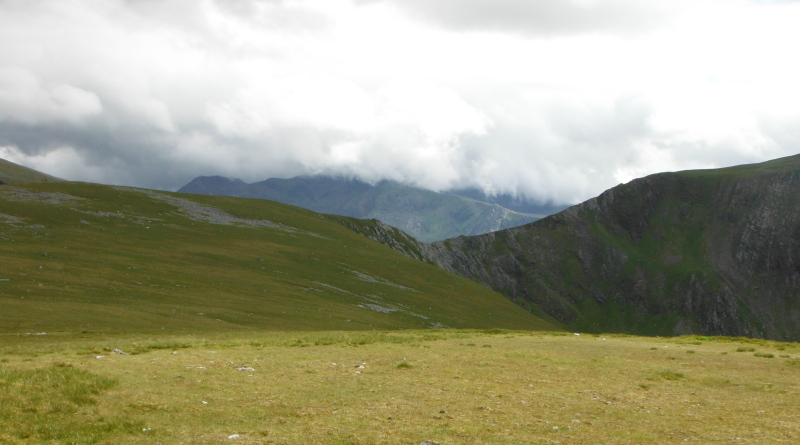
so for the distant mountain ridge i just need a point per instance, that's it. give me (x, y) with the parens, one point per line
(426, 215)
(509, 201)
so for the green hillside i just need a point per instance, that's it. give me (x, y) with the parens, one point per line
(87, 257)
(11, 173)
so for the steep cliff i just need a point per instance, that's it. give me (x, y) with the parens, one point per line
(706, 251)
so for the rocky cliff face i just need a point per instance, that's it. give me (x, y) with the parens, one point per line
(707, 252)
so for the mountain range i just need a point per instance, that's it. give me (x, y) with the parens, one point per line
(424, 214)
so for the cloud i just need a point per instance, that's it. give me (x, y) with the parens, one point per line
(407, 130)
(542, 17)
(550, 100)
(25, 99)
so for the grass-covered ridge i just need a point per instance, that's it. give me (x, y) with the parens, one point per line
(87, 257)
(11, 173)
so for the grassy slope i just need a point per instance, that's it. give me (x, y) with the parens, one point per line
(119, 260)
(11, 173)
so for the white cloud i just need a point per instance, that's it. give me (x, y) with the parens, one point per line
(553, 100)
(24, 98)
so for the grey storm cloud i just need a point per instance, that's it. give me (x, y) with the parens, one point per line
(153, 93)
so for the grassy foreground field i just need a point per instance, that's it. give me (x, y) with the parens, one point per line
(397, 387)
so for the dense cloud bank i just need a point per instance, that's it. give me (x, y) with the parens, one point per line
(551, 100)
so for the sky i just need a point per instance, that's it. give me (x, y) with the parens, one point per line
(549, 100)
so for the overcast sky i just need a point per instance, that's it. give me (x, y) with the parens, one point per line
(550, 99)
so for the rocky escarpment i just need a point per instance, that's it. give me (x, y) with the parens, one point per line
(707, 252)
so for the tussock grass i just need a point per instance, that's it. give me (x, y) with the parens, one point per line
(56, 404)
(666, 375)
(392, 387)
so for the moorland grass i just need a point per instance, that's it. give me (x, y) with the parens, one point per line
(394, 387)
(85, 257)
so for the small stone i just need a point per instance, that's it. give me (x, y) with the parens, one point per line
(233, 436)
